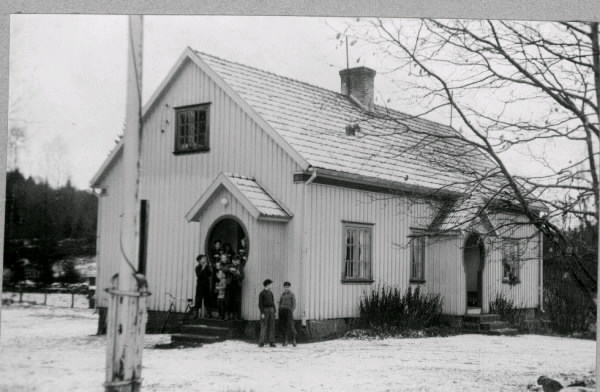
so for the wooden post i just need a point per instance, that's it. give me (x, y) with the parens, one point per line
(20, 295)
(72, 299)
(596, 61)
(45, 296)
(3, 139)
(127, 310)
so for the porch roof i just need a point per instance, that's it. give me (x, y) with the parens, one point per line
(249, 192)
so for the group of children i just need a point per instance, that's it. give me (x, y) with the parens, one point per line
(219, 281)
(219, 287)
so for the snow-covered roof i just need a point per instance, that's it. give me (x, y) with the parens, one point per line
(251, 194)
(390, 146)
(258, 196)
(310, 123)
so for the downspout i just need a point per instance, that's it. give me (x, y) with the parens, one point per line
(541, 272)
(303, 250)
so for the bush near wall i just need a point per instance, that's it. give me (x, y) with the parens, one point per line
(389, 307)
(567, 308)
(506, 309)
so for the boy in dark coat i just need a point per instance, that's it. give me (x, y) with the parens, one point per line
(287, 305)
(234, 288)
(266, 304)
(203, 283)
(213, 287)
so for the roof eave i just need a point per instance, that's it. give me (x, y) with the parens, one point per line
(271, 218)
(391, 185)
(95, 181)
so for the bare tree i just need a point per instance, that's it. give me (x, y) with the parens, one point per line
(56, 162)
(511, 86)
(16, 142)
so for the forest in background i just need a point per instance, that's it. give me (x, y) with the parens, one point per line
(45, 225)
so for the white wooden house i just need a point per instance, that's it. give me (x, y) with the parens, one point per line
(324, 194)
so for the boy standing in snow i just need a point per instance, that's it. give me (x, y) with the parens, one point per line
(287, 305)
(266, 304)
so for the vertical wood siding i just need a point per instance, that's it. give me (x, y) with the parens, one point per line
(524, 294)
(391, 216)
(172, 184)
(445, 273)
(108, 254)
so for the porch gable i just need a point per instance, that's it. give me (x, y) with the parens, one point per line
(248, 192)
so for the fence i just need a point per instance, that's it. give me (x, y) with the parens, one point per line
(47, 298)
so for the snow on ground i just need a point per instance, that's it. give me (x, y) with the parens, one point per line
(46, 348)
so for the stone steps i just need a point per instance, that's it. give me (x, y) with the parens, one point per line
(209, 330)
(205, 331)
(478, 318)
(489, 324)
(193, 339)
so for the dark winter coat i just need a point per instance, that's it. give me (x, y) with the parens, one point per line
(266, 300)
(204, 276)
(236, 274)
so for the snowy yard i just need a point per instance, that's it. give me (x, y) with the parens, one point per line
(54, 349)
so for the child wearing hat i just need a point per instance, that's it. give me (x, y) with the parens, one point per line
(266, 305)
(287, 305)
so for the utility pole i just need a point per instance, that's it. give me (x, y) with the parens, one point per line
(127, 309)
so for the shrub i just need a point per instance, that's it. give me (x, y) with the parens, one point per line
(386, 307)
(567, 308)
(507, 310)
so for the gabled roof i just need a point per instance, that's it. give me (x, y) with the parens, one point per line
(309, 123)
(391, 146)
(252, 195)
(464, 213)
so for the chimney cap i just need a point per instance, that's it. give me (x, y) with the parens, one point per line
(361, 69)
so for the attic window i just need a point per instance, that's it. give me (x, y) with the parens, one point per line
(351, 129)
(192, 128)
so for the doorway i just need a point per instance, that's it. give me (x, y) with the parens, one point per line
(474, 255)
(231, 234)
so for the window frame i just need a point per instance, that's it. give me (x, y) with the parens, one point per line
(368, 228)
(417, 238)
(205, 107)
(514, 265)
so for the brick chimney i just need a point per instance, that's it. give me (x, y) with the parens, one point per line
(359, 83)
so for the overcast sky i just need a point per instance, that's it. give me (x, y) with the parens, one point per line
(68, 75)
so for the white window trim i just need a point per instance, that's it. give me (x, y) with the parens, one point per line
(514, 264)
(416, 237)
(361, 226)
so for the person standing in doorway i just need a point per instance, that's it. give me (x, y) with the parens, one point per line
(221, 287)
(216, 250)
(234, 294)
(213, 288)
(266, 305)
(203, 283)
(287, 305)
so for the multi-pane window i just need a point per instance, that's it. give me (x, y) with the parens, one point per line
(510, 260)
(417, 258)
(191, 128)
(358, 252)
